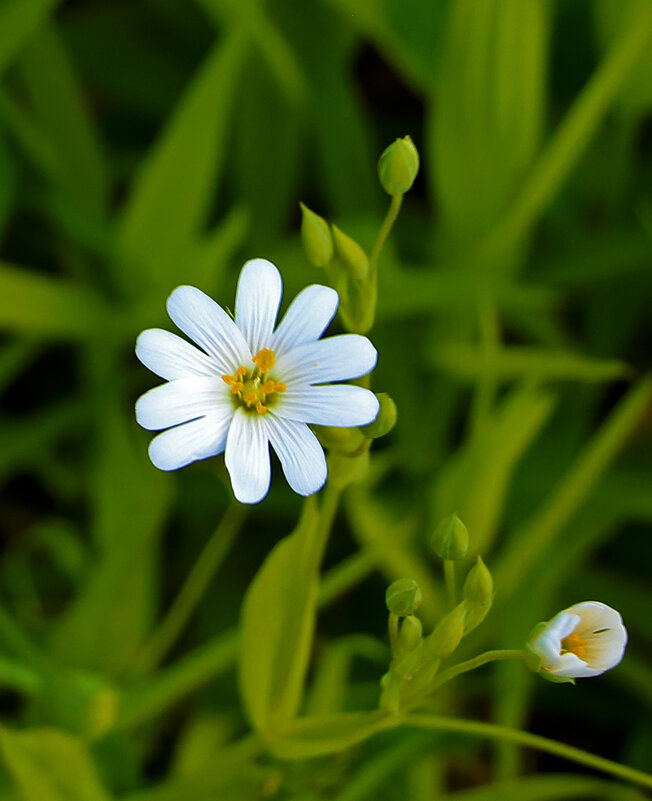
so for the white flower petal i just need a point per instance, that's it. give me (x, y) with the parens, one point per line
(182, 400)
(257, 300)
(300, 454)
(169, 356)
(247, 457)
(189, 442)
(570, 666)
(548, 648)
(562, 624)
(207, 324)
(341, 405)
(603, 632)
(306, 319)
(333, 359)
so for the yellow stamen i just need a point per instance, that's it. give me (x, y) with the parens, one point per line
(280, 387)
(260, 408)
(241, 371)
(574, 644)
(250, 397)
(265, 360)
(228, 379)
(236, 387)
(268, 387)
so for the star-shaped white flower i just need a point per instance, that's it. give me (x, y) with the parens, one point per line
(252, 384)
(586, 639)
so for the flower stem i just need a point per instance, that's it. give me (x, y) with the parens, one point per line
(504, 733)
(449, 575)
(183, 606)
(385, 228)
(471, 664)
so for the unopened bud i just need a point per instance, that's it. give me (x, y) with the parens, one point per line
(447, 635)
(478, 594)
(410, 633)
(386, 419)
(316, 237)
(450, 539)
(398, 166)
(351, 255)
(403, 597)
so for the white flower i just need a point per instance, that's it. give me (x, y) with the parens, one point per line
(251, 384)
(584, 640)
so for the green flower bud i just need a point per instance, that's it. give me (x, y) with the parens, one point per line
(478, 594)
(450, 539)
(447, 635)
(398, 166)
(411, 632)
(316, 237)
(353, 258)
(403, 597)
(386, 419)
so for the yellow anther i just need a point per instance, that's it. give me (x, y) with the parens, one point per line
(260, 408)
(228, 379)
(280, 387)
(236, 387)
(250, 397)
(241, 371)
(574, 644)
(268, 387)
(265, 360)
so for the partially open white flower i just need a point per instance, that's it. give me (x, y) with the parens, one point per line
(251, 384)
(584, 640)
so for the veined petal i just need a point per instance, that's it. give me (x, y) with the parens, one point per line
(333, 359)
(182, 400)
(300, 454)
(247, 457)
(169, 356)
(189, 442)
(306, 319)
(341, 405)
(257, 300)
(207, 324)
(603, 632)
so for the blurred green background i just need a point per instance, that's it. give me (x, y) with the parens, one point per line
(148, 143)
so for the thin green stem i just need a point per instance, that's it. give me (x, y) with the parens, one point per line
(385, 228)
(392, 627)
(504, 733)
(449, 576)
(471, 664)
(192, 591)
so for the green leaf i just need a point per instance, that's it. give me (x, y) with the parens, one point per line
(108, 620)
(172, 193)
(476, 481)
(278, 618)
(49, 765)
(569, 141)
(539, 533)
(41, 306)
(488, 110)
(317, 735)
(467, 361)
(56, 100)
(18, 20)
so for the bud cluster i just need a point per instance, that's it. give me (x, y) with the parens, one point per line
(416, 658)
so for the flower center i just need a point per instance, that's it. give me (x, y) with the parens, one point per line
(253, 388)
(574, 644)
